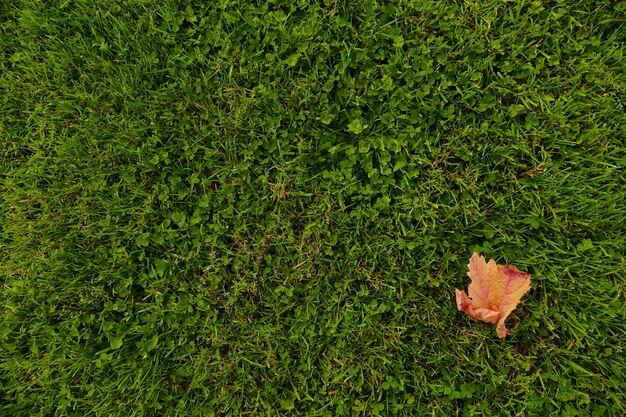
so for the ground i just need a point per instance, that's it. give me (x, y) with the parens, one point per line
(263, 208)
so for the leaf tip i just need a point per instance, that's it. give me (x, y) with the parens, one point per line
(462, 301)
(501, 329)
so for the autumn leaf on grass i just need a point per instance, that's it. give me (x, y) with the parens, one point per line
(494, 292)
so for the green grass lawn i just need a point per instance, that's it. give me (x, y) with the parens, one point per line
(262, 208)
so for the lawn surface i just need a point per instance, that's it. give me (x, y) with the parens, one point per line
(263, 208)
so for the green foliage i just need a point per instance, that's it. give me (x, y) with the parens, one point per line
(263, 208)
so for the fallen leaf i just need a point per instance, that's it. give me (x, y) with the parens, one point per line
(494, 292)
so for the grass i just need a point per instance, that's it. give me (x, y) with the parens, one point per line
(264, 208)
